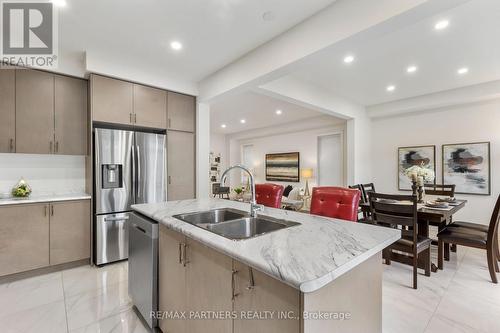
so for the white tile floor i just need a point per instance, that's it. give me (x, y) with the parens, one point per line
(84, 300)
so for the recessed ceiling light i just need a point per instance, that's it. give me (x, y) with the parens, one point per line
(412, 69)
(279, 112)
(391, 88)
(223, 125)
(348, 59)
(463, 70)
(243, 121)
(442, 25)
(175, 45)
(59, 3)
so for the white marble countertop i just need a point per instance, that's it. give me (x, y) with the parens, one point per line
(44, 198)
(306, 257)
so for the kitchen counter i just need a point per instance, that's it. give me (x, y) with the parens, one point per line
(44, 198)
(306, 257)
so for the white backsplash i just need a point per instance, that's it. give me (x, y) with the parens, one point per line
(46, 174)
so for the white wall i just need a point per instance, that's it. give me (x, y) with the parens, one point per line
(305, 142)
(458, 124)
(218, 146)
(46, 174)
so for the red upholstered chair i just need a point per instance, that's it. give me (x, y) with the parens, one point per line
(269, 195)
(337, 202)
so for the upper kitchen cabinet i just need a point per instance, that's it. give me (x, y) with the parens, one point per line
(112, 100)
(181, 112)
(34, 112)
(181, 165)
(7, 110)
(71, 118)
(150, 107)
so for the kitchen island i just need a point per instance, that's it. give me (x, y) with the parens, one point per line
(324, 275)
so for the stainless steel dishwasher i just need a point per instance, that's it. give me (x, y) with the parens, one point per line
(143, 266)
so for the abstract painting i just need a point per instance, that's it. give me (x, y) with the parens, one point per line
(282, 167)
(424, 156)
(467, 165)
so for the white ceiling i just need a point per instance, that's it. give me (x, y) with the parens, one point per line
(471, 40)
(137, 34)
(258, 110)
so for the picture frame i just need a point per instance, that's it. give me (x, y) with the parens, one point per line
(468, 166)
(283, 167)
(414, 155)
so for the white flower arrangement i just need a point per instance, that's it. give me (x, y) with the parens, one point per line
(415, 172)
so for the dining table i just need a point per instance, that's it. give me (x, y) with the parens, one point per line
(427, 216)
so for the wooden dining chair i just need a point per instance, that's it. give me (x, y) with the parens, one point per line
(440, 189)
(365, 218)
(473, 235)
(367, 189)
(400, 211)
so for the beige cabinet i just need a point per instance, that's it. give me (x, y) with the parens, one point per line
(181, 165)
(181, 112)
(24, 238)
(171, 279)
(7, 110)
(111, 100)
(69, 231)
(150, 107)
(34, 112)
(259, 292)
(209, 280)
(71, 118)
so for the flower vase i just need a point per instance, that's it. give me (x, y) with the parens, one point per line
(414, 187)
(421, 191)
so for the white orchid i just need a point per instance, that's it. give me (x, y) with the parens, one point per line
(415, 171)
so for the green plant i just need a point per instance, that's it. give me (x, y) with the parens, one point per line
(238, 190)
(21, 190)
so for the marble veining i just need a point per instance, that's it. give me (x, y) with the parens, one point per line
(306, 257)
(45, 198)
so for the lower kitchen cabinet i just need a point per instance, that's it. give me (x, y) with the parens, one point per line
(171, 280)
(208, 280)
(195, 279)
(40, 235)
(69, 231)
(275, 302)
(24, 238)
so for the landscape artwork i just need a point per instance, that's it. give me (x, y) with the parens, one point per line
(283, 167)
(467, 166)
(423, 156)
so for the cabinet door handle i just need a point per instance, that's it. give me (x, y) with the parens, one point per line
(51, 210)
(169, 180)
(180, 253)
(233, 284)
(251, 281)
(130, 118)
(50, 146)
(11, 145)
(135, 118)
(57, 146)
(184, 256)
(169, 123)
(45, 211)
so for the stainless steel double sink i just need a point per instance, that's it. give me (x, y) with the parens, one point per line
(234, 224)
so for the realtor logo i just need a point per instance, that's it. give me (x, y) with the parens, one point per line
(29, 33)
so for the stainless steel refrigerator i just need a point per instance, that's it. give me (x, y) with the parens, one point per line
(130, 168)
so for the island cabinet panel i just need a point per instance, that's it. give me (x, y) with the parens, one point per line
(181, 112)
(69, 231)
(7, 111)
(34, 112)
(181, 165)
(171, 280)
(150, 107)
(276, 304)
(71, 119)
(24, 238)
(209, 280)
(111, 100)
